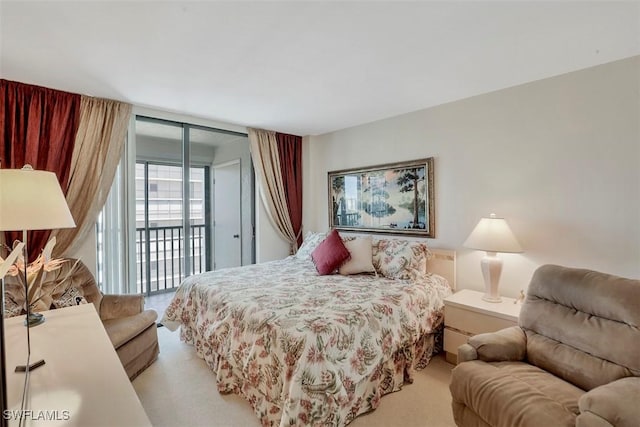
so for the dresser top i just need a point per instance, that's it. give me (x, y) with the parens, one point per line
(472, 300)
(82, 381)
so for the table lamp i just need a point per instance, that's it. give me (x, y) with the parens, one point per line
(32, 200)
(492, 235)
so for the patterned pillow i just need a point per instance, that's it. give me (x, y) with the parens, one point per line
(310, 242)
(400, 259)
(72, 296)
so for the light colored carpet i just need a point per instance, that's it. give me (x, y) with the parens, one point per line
(179, 390)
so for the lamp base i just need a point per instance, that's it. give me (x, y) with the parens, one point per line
(489, 298)
(33, 319)
(35, 365)
(491, 269)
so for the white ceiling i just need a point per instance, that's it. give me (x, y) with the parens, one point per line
(305, 67)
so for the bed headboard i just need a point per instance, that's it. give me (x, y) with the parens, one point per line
(443, 263)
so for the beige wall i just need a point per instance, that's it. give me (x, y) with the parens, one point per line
(559, 158)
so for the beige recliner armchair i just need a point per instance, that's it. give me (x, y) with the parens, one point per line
(574, 359)
(131, 329)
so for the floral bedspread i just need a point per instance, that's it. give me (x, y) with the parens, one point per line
(301, 347)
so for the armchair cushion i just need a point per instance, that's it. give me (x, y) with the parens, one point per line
(581, 369)
(539, 398)
(615, 403)
(508, 344)
(124, 329)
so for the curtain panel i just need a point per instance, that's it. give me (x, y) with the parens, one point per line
(79, 138)
(277, 176)
(290, 155)
(38, 127)
(98, 148)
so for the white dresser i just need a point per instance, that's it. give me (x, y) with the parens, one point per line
(467, 314)
(82, 382)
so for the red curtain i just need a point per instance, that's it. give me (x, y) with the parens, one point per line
(290, 154)
(37, 127)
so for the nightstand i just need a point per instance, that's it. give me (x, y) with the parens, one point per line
(466, 314)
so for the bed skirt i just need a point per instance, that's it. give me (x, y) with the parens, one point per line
(326, 408)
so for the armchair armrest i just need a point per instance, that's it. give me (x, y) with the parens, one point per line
(503, 345)
(613, 404)
(466, 353)
(117, 306)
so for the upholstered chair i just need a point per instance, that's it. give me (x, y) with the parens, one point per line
(131, 329)
(574, 359)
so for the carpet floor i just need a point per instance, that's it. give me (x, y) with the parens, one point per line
(179, 390)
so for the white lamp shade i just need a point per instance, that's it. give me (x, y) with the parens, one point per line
(32, 200)
(493, 235)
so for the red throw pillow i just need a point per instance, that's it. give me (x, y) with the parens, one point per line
(330, 254)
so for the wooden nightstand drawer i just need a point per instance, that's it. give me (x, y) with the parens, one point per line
(473, 322)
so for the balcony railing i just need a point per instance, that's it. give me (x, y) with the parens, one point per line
(160, 263)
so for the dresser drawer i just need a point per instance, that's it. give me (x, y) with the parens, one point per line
(453, 340)
(473, 322)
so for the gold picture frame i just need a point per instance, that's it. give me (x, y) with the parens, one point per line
(394, 198)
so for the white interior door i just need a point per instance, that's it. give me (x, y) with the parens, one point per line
(227, 217)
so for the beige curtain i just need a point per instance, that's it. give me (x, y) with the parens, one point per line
(97, 151)
(266, 162)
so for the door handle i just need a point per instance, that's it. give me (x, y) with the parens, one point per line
(236, 236)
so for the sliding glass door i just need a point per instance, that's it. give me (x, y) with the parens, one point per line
(173, 220)
(158, 223)
(160, 219)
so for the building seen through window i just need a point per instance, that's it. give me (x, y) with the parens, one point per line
(159, 193)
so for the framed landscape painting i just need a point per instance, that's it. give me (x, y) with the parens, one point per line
(395, 198)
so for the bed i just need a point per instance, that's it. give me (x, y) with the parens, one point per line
(306, 349)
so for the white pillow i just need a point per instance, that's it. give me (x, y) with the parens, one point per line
(361, 259)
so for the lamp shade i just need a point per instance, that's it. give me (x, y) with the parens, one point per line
(32, 200)
(493, 235)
